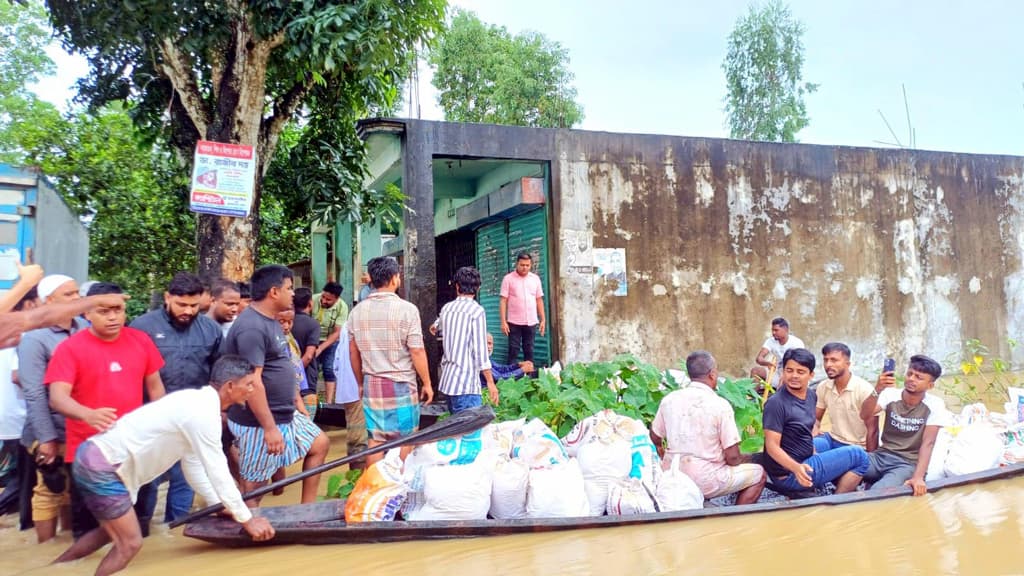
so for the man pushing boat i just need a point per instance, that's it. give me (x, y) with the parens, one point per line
(110, 467)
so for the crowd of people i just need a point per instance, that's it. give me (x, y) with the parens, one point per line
(698, 425)
(111, 409)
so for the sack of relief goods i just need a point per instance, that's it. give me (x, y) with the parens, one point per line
(508, 490)
(602, 464)
(556, 492)
(457, 450)
(628, 497)
(676, 491)
(1013, 445)
(379, 492)
(937, 465)
(975, 448)
(498, 436)
(455, 492)
(537, 446)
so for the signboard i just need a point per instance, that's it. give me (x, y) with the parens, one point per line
(223, 178)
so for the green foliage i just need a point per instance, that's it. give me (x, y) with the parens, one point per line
(24, 34)
(485, 74)
(626, 385)
(977, 373)
(341, 485)
(746, 406)
(764, 75)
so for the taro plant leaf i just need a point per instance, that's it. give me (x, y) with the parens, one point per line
(334, 485)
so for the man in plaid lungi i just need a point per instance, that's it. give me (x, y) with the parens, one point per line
(386, 348)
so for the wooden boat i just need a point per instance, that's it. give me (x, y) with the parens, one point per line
(319, 523)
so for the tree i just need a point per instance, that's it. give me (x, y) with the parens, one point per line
(764, 75)
(484, 74)
(239, 72)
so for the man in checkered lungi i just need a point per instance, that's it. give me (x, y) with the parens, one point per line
(386, 348)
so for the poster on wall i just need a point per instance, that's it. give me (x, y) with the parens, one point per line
(223, 178)
(610, 270)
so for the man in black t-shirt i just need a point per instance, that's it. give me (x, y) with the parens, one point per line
(788, 420)
(306, 331)
(272, 429)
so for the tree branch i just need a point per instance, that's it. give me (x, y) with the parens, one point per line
(179, 70)
(284, 109)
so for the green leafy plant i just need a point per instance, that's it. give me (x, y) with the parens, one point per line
(341, 485)
(977, 373)
(747, 409)
(626, 385)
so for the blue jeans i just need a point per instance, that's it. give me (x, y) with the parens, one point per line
(825, 442)
(462, 402)
(179, 496)
(827, 466)
(326, 360)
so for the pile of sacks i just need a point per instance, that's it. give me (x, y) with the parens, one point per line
(521, 469)
(977, 440)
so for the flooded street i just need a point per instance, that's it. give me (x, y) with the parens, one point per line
(969, 530)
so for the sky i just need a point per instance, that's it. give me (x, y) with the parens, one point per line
(654, 66)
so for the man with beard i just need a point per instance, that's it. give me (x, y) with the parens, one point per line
(189, 343)
(98, 375)
(841, 396)
(227, 301)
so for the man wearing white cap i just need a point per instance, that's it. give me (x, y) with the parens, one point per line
(44, 426)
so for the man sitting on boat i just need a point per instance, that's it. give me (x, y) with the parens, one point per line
(912, 421)
(701, 429)
(110, 467)
(788, 420)
(841, 396)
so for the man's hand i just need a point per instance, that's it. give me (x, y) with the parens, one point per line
(259, 529)
(30, 274)
(917, 483)
(427, 393)
(803, 475)
(885, 380)
(504, 328)
(46, 453)
(542, 324)
(274, 441)
(433, 329)
(526, 366)
(492, 391)
(101, 418)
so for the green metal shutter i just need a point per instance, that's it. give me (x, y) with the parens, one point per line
(529, 233)
(492, 261)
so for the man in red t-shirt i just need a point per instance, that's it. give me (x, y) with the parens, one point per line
(98, 375)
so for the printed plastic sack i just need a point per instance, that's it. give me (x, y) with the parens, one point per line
(973, 414)
(602, 465)
(455, 492)
(629, 497)
(556, 492)
(379, 492)
(1015, 407)
(498, 436)
(509, 489)
(974, 449)
(457, 450)
(937, 465)
(1013, 445)
(537, 446)
(676, 491)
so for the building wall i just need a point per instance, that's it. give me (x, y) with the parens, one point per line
(893, 252)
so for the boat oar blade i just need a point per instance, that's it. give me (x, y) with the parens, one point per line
(457, 425)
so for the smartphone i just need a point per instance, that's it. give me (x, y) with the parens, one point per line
(889, 366)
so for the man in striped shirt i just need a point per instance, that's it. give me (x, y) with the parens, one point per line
(463, 328)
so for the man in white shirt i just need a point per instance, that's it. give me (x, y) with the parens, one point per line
(110, 467)
(774, 349)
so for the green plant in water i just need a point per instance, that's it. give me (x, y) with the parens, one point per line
(747, 409)
(341, 485)
(977, 373)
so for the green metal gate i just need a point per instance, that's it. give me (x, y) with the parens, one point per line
(492, 261)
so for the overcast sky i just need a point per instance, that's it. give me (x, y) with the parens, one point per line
(654, 66)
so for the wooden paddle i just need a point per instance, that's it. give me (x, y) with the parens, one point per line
(462, 423)
(768, 388)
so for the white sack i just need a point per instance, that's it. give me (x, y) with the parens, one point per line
(974, 449)
(556, 492)
(509, 489)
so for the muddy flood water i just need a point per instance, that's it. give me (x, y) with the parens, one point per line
(974, 530)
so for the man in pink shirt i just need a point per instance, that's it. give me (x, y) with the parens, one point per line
(521, 308)
(700, 429)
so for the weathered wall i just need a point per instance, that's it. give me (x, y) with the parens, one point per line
(893, 252)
